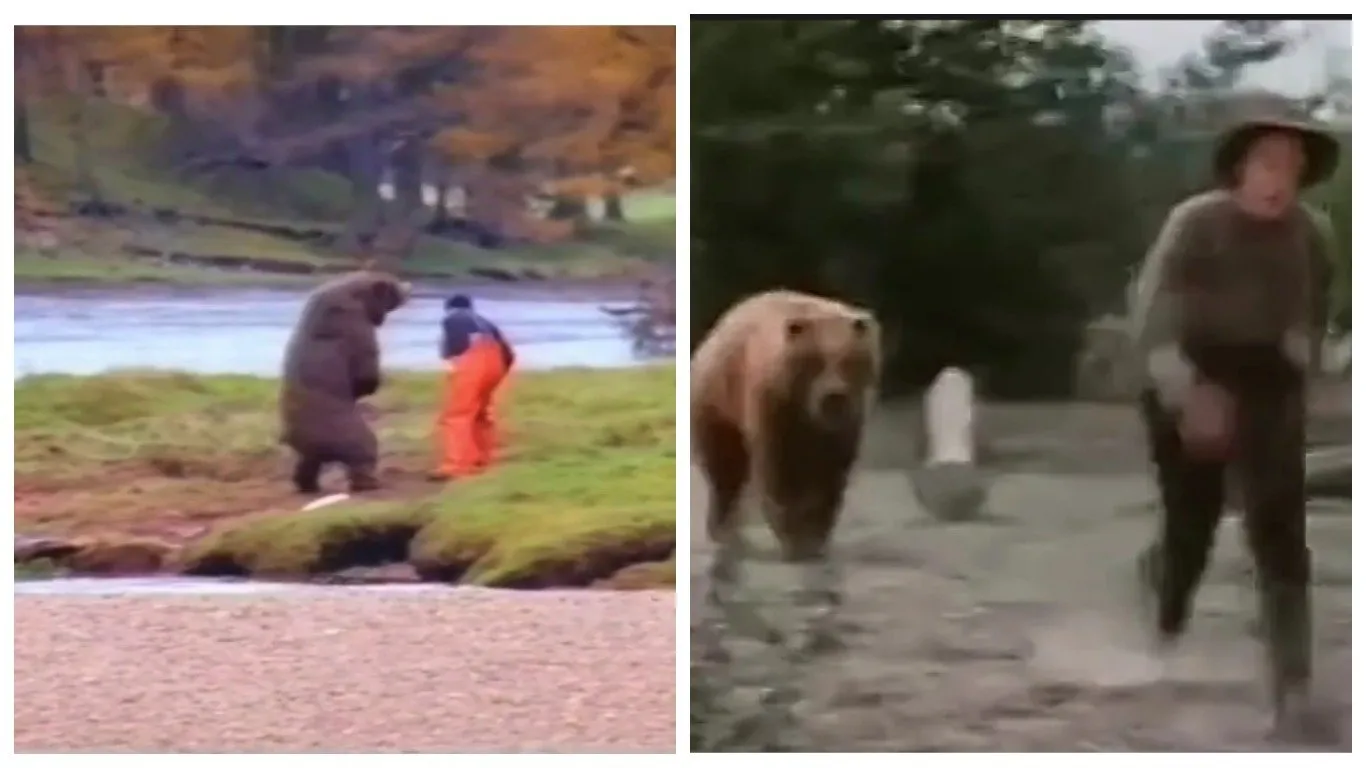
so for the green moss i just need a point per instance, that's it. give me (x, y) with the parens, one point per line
(564, 518)
(549, 413)
(318, 541)
(33, 268)
(554, 523)
(128, 398)
(586, 486)
(565, 523)
(36, 570)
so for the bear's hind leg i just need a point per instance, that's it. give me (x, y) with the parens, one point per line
(362, 477)
(360, 454)
(307, 468)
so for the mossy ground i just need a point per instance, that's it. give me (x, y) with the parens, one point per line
(128, 168)
(584, 490)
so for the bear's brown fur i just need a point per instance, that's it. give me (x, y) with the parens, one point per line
(332, 361)
(781, 387)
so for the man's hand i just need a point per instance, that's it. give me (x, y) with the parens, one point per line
(1207, 421)
(1204, 409)
(1298, 347)
(1172, 376)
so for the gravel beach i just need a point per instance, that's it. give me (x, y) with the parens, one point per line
(460, 671)
(1017, 632)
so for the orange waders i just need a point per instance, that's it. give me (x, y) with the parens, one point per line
(466, 432)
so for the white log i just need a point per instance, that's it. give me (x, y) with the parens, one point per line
(949, 412)
(949, 484)
(325, 501)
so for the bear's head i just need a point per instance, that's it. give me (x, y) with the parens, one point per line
(381, 294)
(834, 359)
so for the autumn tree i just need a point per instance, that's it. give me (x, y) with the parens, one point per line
(502, 112)
(581, 111)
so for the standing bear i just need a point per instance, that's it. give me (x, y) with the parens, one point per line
(781, 387)
(331, 362)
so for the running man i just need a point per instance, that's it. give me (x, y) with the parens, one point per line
(1229, 313)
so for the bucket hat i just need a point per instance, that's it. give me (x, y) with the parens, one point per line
(1320, 148)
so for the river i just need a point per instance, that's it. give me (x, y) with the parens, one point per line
(245, 330)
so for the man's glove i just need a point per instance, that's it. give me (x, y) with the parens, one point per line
(1172, 376)
(1204, 410)
(1207, 422)
(1298, 348)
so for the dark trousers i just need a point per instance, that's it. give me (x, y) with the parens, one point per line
(1267, 462)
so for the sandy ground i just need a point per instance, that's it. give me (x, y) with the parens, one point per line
(1018, 633)
(461, 671)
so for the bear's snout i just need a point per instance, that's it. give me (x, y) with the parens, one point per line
(835, 407)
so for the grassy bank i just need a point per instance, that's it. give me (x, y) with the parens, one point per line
(188, 467)
(237, 225)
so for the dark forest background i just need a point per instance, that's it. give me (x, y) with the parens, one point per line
(986, 185)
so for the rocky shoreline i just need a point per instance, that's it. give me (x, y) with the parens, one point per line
(645, 565)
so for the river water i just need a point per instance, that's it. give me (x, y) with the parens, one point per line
(245, 330)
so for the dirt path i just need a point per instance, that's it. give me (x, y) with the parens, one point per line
(1019, 633)
(466, 670)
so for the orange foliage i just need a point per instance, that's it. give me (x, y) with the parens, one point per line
(581, 107)
(133, 58)
(584, 103)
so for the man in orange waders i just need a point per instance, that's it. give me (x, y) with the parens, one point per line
(478, 359)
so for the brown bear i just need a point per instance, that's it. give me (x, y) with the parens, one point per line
(332, 361)
(781, 387)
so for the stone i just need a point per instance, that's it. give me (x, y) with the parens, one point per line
(30, 548)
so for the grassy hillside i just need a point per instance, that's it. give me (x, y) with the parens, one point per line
(236, 224)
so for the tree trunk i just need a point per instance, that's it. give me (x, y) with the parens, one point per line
(85, 173)
(23, 144)
(569, 208)
(168, 95)
(407, 165)
(95, 75)
(367, 212)
(441, 215)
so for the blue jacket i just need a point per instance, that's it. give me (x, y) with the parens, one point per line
(460, 326)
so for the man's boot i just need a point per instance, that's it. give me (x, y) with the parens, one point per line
(1287, 624)
(1150, 587)
(1149, 565)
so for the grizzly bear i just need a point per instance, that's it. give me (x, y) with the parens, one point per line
(781, 387)
(331, 362)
